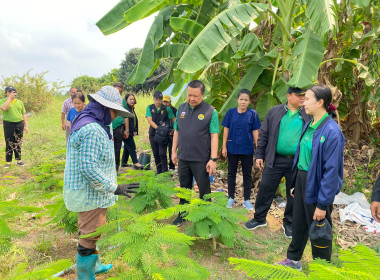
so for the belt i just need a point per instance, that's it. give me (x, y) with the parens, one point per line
(288, 157)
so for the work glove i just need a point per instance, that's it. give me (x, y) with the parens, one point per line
(125, 189)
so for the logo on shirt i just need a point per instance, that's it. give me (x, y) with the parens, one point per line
(182, 116)
(201, 117)
(153, 111)
(162, 112)
(323, 139)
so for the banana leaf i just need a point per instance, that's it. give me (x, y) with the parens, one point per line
(217, 35)
(145, 8)
(322, 16)
(146, 60)
(187, 26)
(114, 20)
(305, 60)
(247, 82)
(264, 104)
(170, 50)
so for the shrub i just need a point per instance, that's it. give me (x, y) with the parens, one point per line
(33, 90)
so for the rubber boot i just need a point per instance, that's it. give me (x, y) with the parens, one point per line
(101, 268)
(86, 267)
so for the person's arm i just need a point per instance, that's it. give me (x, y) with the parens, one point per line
(152, 123)
(255, 137)
(126, 131)
(211, 165)
(226, 130)
(68, 124)
(7, 103)
(170, 114)
(174, 148)
(262, 143)
(26, 128)
(375, 205)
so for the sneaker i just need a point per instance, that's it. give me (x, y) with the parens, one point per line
(7, 165)
(230, 203)
(252, 224)
(247, 204)
(178, 221)
(287, 230)
(292, 264)
(21, 163)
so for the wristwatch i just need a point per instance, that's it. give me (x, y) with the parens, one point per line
(214, 159)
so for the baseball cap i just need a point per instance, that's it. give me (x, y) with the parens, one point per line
(296, 90)
(10, 88)
(157, 94)
(166, 98)
(321, 233)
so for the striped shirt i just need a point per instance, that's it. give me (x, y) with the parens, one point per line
(90, 172)
(67, 105)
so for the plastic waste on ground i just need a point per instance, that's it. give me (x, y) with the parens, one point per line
(357, 211)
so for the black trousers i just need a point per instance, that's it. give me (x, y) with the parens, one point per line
(159, 153)
(302, 219)
(129, 150)
(189, 169)
(246, 164)
(117, 141)
(170, 145)
(270, 180)
(13, 133)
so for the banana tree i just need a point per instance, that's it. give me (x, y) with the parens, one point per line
(264, 46)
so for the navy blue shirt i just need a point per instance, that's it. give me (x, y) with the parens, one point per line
(72, 114)
(241, 125)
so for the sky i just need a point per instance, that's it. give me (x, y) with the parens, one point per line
(61, 37)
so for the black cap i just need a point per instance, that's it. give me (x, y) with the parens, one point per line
(321, 233)
(296, 90)
(158, 94)
(10, 88)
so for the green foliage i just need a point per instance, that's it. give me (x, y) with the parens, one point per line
(211, 219)
(154, 192)
(33, 90)
(359, 263)
(9, 210)
(61, 216)
(48, 176)
(149, 248)
(86, 84)
(41, 272)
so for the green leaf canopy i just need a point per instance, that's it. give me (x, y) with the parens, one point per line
(305, 60)
(217, 35)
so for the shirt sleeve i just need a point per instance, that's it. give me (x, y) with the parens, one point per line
(214, 123)
(148, 113)
(256, 121)
(170, 112)
(64, 107)
(226, 119)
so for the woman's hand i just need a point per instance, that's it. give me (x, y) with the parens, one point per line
(319, 214)
(224, 152)
(126, 134)
(26, 129)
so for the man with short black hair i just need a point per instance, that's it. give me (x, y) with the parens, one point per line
(66, 106)
(277, 144)
(196, 132)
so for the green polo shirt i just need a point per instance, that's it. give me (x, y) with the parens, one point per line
(15, 111)
(290, 133)
(118, 121)
(214, 123)
(168, 109)
(306, 145)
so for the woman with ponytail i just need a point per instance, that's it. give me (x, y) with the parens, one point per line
(319, 177)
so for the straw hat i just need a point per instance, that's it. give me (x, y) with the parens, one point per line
(110, 97)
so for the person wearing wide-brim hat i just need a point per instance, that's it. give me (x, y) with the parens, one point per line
(90, 184)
